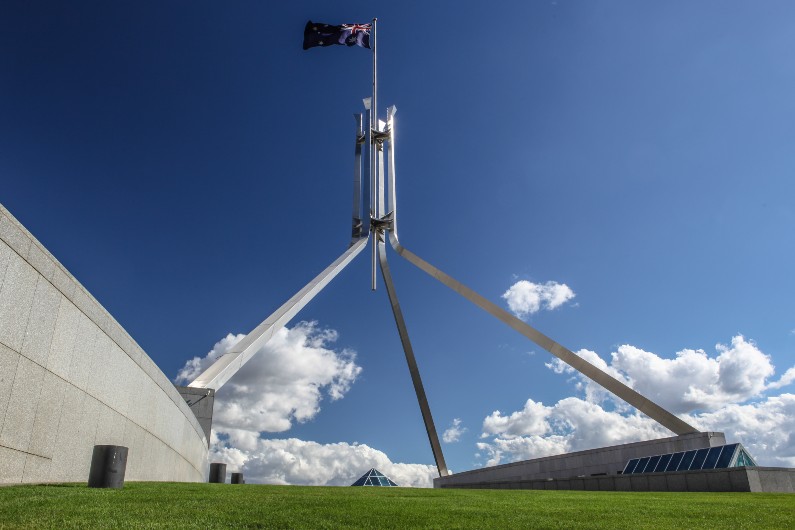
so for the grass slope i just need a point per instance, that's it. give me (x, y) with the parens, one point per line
(170, 505)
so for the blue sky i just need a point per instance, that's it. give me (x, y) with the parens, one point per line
(191, 166)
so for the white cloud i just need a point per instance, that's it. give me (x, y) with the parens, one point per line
(284, 382)
(454, 432)
(293, 461)
(531, 420)
(692, 380)
(766, 428)
(572, 424)
(784, 380)
(724, 393)
(525, 298)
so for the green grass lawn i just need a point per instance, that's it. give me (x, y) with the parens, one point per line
(170, 505)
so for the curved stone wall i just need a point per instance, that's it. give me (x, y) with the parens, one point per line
(71, 377)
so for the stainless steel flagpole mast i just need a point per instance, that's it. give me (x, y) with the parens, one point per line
(373, 127)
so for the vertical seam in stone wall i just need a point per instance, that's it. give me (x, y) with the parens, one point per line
(11, 390)
(30, 311)
(5, 269)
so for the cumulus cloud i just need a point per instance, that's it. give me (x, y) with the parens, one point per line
(532, 420)
(293, 461)
(785, 380)
(766, 428)
(454, 432)
(572, 424)
(723, 392)
(525, 298)
(692, 380)
(283, 383)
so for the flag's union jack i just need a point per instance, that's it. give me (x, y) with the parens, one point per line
(355, 28)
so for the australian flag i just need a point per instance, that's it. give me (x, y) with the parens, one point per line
(317, 34)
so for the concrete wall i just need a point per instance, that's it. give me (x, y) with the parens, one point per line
(602, 461)
(71, 377)
(755, 479)
(201, 402)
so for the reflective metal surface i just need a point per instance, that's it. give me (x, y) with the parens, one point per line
(228, 364)
(371, 119)
(366, 184)
(381, 137)
(390, 125)
(356, 219)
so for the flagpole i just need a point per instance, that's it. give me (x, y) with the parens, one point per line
(375, 74)
(373, 177)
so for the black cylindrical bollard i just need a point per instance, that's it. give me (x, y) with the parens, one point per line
(217, 473)
(108, 464)
(237, 478)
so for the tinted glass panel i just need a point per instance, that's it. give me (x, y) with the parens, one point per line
(726, 456)
(744, 459)
(698, 461)
(631, 465)
(653, 461)
(712, 458)
(663, 463)
(676, 459)
(686, 461)
(641, 465)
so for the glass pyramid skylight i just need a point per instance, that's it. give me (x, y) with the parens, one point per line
(373, 478)
(718, 457)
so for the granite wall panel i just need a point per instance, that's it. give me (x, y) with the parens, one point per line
(9, 359)
(21, 410)
(41, 322)
(16, 298)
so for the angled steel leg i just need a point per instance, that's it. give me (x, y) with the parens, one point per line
(228, 364)
(634, 398)
(412, 362)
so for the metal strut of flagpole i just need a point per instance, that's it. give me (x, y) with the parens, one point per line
(373, 126)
